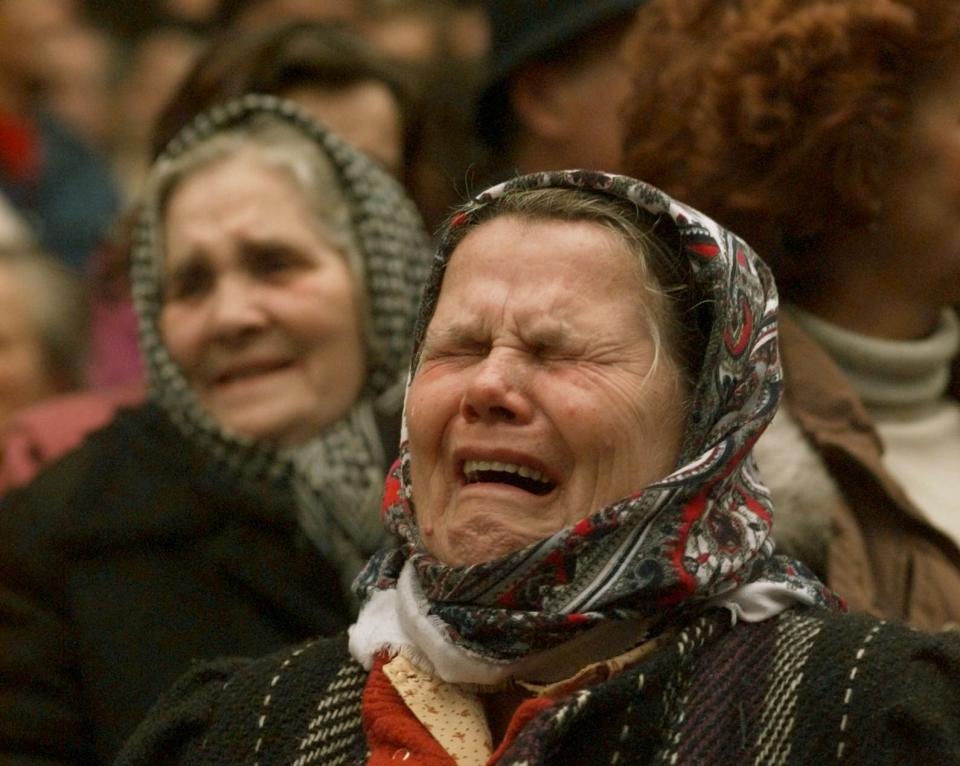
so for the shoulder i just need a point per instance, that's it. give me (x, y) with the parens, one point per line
(38, 435)
(804, 493)
(876, 691)
(890, 693)
(133, 473)
(280, 707)
(804, 688)
(887, 654)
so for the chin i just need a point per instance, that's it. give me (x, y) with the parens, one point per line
(283, 432)
(478, 543)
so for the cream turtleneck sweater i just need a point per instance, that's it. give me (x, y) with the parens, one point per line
(904, 386)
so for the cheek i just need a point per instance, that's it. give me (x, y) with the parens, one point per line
(22, 370)
(423, 424)
(428, 414)
(178, 332)
(323, 305)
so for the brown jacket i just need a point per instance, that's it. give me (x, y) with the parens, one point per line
(882, 555)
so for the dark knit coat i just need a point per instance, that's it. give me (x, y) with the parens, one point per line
(808, 687)
(125, 562)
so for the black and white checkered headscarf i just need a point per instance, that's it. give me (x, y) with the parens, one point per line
(338, 476)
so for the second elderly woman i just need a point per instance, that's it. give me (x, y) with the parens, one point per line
(276, 273)
(583, 571)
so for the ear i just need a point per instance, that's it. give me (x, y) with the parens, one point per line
(858, 169)
(537, 97)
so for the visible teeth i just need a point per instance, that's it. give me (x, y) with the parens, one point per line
(472, 467)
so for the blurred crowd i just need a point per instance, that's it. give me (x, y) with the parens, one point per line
(83, 85)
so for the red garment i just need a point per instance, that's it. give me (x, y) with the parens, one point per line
(38, 435)
(526, 712)
(19, 149)
(115, 358)
(396, 736)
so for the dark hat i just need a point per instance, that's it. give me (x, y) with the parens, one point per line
(525, 29)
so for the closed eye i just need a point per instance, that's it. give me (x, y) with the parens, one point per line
(461, 351)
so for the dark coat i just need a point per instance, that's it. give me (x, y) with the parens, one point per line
(807, 688)
(121, 565)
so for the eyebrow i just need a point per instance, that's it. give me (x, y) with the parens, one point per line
(548, 332)
(551, 333)
(193, 260)
(457, 333)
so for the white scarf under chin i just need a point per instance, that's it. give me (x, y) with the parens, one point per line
(397, 621)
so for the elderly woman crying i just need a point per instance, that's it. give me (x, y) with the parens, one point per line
(582, 569)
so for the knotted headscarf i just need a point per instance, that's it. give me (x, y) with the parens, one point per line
(338, 476)
(698, 536)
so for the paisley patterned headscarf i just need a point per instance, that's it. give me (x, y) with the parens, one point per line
(696, 538)
(338, 476)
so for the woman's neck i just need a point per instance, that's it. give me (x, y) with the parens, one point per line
(873, 314)
(870, 287)
(890, 373)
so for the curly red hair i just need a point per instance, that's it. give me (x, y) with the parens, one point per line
(782, 118)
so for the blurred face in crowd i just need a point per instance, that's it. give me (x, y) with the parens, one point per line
(260, 311)
(157, 66)
(24, 376)
(192, 10)
(263, 12)
(413, 36)
(920, 217)
(79, 89)
(536, 401)
(366, 115)
(28, 31)
(592, 99)
(572, 110)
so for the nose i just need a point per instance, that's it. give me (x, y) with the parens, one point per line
(235, 311)
(496, 390)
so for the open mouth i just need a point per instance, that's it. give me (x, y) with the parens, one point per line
(519, 476)
(250, 371)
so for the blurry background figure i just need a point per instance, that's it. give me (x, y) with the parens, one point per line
(326, 68)
(14, 230)
(130, 22)
(43, 329)
(412, 31)
(827, 134)
(440, 45)
(57, 183)
(276, 272)
(195, 11)
(556, 86)
(253, 14)
(337, 78)
(155, 71)
(80, 88)
(468, 31)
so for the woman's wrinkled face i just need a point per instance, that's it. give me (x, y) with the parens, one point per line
(536, 401)
(260, 311)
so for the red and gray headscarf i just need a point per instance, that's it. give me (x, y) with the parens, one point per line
(698, 537)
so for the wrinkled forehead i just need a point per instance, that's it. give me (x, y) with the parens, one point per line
(539, 250)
